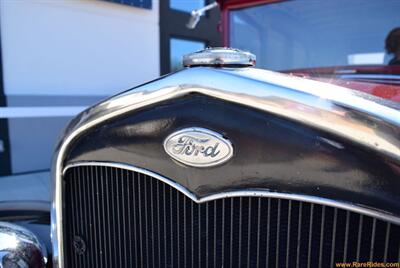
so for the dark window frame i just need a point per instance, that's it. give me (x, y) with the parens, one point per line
(5, 156)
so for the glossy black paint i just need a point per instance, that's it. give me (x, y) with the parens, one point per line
(270, 153)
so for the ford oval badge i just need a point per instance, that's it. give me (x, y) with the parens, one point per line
(198, 147)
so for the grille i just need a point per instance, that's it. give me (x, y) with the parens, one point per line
(119, 218)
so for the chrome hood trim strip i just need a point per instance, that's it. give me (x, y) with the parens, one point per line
(358, 117)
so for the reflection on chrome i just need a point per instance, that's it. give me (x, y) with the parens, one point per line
(357, 117)
(20, 248)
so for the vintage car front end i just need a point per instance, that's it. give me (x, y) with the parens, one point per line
(222, 164)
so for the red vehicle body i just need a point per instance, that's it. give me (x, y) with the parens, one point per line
(379, 80)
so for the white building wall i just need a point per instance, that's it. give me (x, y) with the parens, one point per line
(79, 47)
(63, 55)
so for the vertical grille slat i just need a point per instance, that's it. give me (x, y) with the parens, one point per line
(258, 231)
(240, 231)
(231, 235)
(81, 212)
(268, 229)
(288, 234)
(346, 235)
(178, 229)
(333, 237)
(124, 229)
(207, 233)
(299, 236)
(386, 242)
(249, 234)
(310, 236)
(129, 221)
(371, 253)
(104, 226)
(120, 218)
(134, 218)
(192, 235)
(152, 222)
(321, 242)
(278, 226)
(158, 223)
(359, 238)
(163, 201)
(113, 197)
(139, 197)
(92, 216)
(199, 234)
(74, 201)
(184, 233)
(215, 235)
(145, 221)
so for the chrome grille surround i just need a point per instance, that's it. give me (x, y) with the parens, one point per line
(350, 113)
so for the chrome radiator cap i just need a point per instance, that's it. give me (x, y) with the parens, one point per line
(219, 57)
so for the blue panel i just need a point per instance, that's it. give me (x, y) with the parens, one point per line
(136, 3)
(186, 5)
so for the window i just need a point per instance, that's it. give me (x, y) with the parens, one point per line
(180, 47)
(309, 34)
(186, 5)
